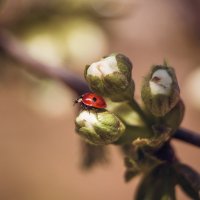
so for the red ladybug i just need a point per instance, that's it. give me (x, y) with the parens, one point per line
(91, 100)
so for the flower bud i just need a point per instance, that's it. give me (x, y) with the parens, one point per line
(160, 90)
(174, 118)
(99, 127)
(111, 77)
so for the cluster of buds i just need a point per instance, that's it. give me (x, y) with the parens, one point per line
(111, 78)
(143, 133)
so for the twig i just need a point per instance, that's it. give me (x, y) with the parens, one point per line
(13, 48)
(188, 136)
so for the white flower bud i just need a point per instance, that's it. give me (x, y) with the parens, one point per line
(111, 77)
(99, 127)
(160, 90)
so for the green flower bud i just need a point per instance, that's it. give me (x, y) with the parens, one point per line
(111, 77)
(99, 127)
(160, 90)
(170, 122)
(174, 118)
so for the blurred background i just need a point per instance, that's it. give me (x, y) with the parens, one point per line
(40, 152)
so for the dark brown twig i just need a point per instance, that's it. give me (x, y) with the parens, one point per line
(13, 48)
(188, 136)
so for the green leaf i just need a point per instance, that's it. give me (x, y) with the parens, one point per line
(158, 184)
(92, 155)
(130, 174)
(146, 161)
(189, 180)
(130, 163)
(132, 169)
(138, 161)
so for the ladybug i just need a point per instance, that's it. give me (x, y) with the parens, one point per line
(91, 100)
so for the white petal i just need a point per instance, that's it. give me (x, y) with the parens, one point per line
(163, 86)
(89, 118)
(103, 67)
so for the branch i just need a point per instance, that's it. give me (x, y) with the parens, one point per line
(188, 136)
(14, 48)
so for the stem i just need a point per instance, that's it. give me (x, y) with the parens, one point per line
(181, 134)
(138, 109)
(141, 113)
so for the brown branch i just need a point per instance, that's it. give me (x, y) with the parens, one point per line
(14, 48)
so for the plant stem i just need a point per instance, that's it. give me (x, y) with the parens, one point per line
(138, 109)
(141, 113)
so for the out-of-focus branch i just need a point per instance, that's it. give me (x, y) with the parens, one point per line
(14, 48)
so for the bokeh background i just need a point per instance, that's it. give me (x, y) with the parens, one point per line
(39, 151)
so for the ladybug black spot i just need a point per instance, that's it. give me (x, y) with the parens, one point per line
(94, 99)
